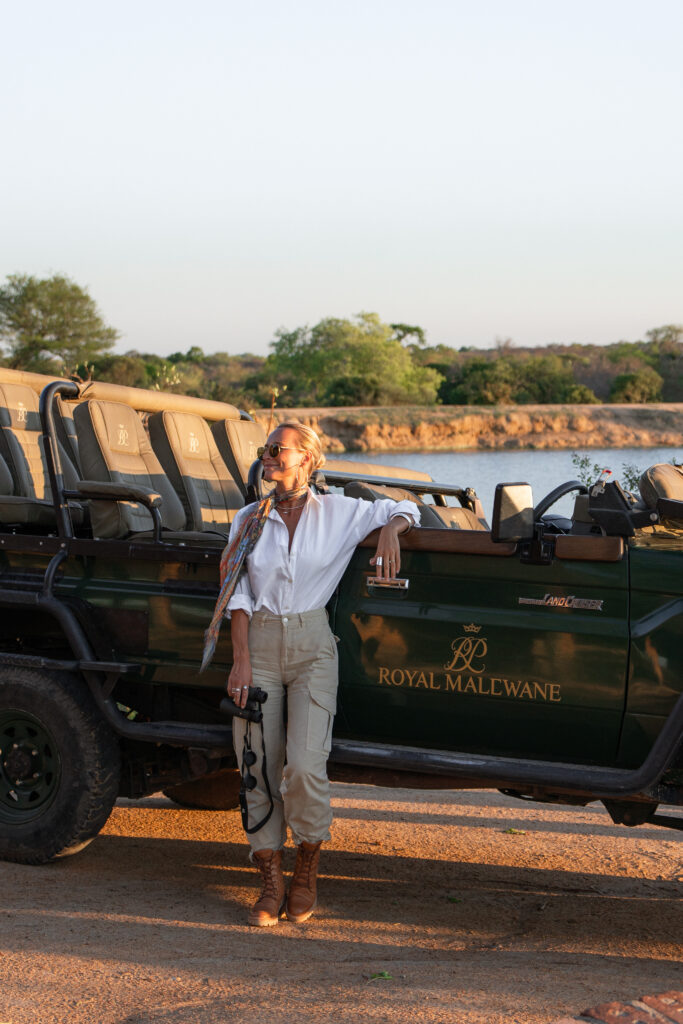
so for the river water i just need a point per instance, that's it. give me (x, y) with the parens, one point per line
(544, 470)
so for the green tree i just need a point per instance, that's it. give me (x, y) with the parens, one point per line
(193, 355)
(668, 338)
(643, 386)
(50, 325)
(513, 379)
(549, 380)
(481, 381)
(403, 331)
(341, 362)
(128, 369)
(235, 379)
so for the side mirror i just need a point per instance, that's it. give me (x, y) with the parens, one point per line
(513, 513)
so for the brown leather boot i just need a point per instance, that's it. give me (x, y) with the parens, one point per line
(303, 897)
(268, 906)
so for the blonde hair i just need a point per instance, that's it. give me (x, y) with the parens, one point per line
(309, 441)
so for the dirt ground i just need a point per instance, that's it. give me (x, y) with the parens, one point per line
(430, 910)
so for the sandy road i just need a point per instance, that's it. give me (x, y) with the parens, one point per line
(471, 923)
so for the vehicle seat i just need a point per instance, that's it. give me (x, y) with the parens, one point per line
(435, 517)
(66, 430)
(188, 453)
(114, 448)
(27, 497)
(237, 442)
(458, 518)
(582, 521)
(663, 480)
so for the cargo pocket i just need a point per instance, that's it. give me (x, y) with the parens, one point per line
(321, 710)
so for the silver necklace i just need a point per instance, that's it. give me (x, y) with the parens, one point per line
(291, 508)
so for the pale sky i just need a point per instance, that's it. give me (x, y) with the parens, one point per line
(213, 171)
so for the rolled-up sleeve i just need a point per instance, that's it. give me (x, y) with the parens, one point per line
(408, 509)
(242, 598)
(372, 514)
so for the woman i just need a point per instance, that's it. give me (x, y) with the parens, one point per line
(282, 642)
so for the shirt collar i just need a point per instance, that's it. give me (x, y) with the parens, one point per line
(312, 496)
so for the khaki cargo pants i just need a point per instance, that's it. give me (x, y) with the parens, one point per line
(294, 659)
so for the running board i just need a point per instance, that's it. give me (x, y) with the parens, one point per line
(217, 739)
(508, 771)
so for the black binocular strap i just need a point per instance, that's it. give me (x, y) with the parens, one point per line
(244, 809)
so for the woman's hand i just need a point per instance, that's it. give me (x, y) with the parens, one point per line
(239, 682)
(387, 558)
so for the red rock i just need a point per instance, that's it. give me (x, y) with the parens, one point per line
(623, 1013)
(668, 1004)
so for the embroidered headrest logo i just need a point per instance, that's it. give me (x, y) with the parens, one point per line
(194, 443)
(123, 436)
(21, 412)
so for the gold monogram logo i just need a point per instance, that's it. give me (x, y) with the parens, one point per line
(464, 674)
(123, 436)
(21, 412)
(465, 649)
(194, 443)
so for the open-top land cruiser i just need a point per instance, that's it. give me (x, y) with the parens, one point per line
(542, 656)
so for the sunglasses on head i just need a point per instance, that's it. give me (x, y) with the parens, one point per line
(275, 449)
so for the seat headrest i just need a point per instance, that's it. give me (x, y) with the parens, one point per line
(190, 434)
(19, 407)
(661, 481)
(244, 437)
(122, 426)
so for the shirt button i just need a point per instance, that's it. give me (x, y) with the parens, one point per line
(285, 619)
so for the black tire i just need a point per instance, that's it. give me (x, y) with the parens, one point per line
(59, 766)
(216, 792)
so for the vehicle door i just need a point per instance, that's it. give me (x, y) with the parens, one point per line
(486, 651)
(656, 676)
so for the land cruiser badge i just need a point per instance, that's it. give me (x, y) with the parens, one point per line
(558, 601)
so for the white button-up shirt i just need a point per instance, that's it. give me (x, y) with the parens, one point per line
(331, 526)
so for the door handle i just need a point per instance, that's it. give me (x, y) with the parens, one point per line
(393, 583)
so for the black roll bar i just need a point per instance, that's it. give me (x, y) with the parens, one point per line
(467, 496)
(69, 389)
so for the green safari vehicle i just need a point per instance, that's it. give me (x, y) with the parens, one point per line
(542, 656)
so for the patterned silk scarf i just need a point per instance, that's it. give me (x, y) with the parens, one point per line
(232, 563)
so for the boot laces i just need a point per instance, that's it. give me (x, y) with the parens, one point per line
(270, 877)
(304, 865)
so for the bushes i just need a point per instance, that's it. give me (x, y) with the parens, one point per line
(505, 380)
(643, 386)
(366, 362)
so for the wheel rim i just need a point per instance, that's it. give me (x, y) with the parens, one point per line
(30, 767)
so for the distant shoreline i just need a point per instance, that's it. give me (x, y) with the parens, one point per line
(477, 428)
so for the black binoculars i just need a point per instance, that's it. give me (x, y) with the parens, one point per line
(251, 710)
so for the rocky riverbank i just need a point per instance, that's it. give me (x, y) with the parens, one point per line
(459, 428)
